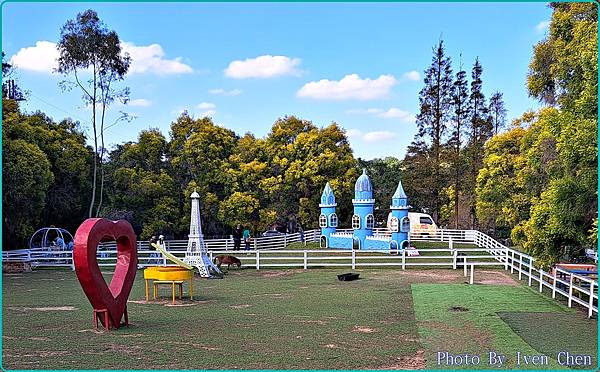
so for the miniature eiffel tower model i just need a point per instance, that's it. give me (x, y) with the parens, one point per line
(197, 254)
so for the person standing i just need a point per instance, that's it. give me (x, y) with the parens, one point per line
(301, 232)
(247, 238)
(237, 237)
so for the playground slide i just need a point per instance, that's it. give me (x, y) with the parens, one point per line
(171, 258)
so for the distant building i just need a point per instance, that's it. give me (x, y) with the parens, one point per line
(363, 220)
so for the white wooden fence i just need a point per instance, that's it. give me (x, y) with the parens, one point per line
(271, 252)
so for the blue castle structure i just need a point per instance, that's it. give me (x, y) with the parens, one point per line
(363, 221)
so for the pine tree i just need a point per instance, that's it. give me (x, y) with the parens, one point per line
(460, 116)
(435, 110)
(497, 112)
(480, 130)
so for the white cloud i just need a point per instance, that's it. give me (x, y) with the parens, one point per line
(150, 59)
(391, 113)
(140, 102)
(209, 109)
(378, 136)
(207, 106)
(144, 59)
(412, 75)
(396, 113)
(542, 26)
(350, 87)
(223, 92)
(266, 66)
(351, 133)
(370, 137)
(39, 58)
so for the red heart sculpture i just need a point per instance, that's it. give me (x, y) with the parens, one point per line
(113, 297)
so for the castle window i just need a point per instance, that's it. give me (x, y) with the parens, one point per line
(330, 201)
(405, 227)
(333, 220)
(323, 220)
(394, 224)
(356, 221)
(370, 221)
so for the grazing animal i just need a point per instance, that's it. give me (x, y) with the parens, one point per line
(228, 260)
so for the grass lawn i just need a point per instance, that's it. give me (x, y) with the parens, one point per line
(288, 319)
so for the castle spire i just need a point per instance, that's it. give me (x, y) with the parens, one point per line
(328, 198)
(399, 199)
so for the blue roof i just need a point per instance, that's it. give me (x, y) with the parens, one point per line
(399, 194)
(327, 190)
(363, 183)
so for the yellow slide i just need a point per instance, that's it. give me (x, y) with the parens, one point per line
(171, 258)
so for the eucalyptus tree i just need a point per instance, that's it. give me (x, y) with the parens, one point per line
(91, 55)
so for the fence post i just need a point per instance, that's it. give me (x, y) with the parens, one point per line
(541, 280)
(520, 265)
(450, 244)
(570, 289)
(530, 273)
(254, 243)
(226, 244)
(454, 255)
(512, 262)
(305, 259)
(506, 259)
(554, 285)
(591, 304)
(257, 260)
(285, 241)
(353, 259)
(404, 259)
(73, 262)
(472, 269)
(441, 235)
(464, 266)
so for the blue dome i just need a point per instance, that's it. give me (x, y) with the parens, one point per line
(363, 183)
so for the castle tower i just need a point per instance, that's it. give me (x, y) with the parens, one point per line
(197, 254)
(363, 220)
(399, 223)
(328, 220)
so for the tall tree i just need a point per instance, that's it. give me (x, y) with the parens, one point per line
(541, 181)
(564, 67)
(460, 116)
(435, 105)
(497, 112)
(480, 131)
(87, 46)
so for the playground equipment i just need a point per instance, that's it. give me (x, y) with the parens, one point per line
(108, 301)
(173, 276)
(197, 253)
(363, 220)
(51, 238)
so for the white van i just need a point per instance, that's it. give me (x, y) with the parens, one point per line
(419, 222)
(422, 222)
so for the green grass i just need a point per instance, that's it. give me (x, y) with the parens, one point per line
(267, 319)
(480, 327)
(559, 331)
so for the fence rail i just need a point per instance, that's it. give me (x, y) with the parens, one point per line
(273, 252)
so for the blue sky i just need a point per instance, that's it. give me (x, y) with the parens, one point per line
(360, 65)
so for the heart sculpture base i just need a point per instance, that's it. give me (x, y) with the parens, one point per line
(110, 301)
(105, 319)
